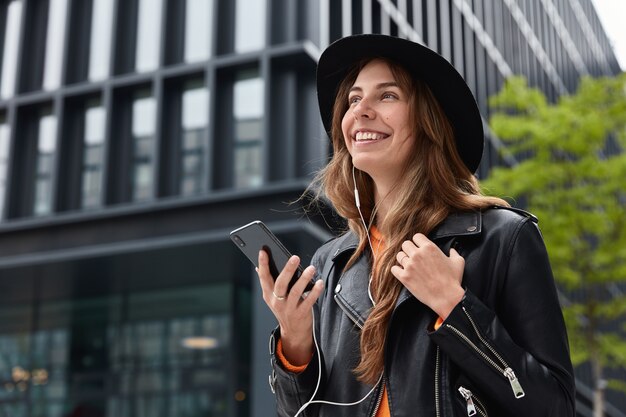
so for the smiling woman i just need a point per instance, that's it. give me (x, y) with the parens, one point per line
(438, 298)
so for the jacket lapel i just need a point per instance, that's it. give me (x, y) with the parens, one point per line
(351, 288)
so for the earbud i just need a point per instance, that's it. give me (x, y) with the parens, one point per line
(356, 192)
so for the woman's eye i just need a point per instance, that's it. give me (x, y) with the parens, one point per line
(353, 99)
(389, 96)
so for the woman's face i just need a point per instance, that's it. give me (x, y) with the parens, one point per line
(377, 127)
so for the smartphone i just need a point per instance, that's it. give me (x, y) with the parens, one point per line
(253, 237)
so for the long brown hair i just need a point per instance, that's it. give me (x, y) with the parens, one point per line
(435, 182)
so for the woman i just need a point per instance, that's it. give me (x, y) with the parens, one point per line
(438, 301)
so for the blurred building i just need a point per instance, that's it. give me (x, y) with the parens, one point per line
(135, 134)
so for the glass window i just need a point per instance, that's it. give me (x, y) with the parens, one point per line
(249, 25)
(46, 147)
(5, 131)
(15, 361)
(143, 129)
(198, 18)
(11, 43)
(100, 42)
(54, 44)
(195, 110)
(248, 114)
(173, 349)
(93, 155)
(148, 52)
(48, 372)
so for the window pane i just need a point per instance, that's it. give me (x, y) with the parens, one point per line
(198, 31)
(46, 146)
(11, 41)
(54, 44)
(144, 122)
(249, 25)
(100, 43)
(193, 147)
(15, 347)
(93, 156)
(248, 112)
(4, 160)
(148, 35)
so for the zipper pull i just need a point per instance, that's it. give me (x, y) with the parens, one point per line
(518, 391)
(467, 395)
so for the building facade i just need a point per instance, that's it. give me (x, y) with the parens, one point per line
(135, 134)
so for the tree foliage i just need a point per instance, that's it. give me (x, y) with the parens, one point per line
(572, 175)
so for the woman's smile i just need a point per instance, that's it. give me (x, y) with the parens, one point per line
(368, 136)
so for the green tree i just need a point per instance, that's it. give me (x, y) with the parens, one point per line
(572, 174)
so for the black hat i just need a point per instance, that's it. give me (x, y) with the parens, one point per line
(442, 78)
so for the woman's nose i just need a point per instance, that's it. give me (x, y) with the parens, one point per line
(363, 109)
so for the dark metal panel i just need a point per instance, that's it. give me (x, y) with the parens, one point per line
(78, 35)
(160, 160)
(32, 58)
(490, 67)
(313, 145)
(120, 146)
(108, 182)
(209, 135)
(71, 151)
(282, 21)
(432, 25)
(4, 7)
(480, 57)
(525, 51)
(125, 38)
(173, 35)
(24, 152)
(222, 129)
(469, 57)
(266, 75)
(13, 183)
(281, 130)
(445, 31)
(26, 240)
(169, 146)
(457, 40)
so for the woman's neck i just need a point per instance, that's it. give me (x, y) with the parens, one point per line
(383, 200)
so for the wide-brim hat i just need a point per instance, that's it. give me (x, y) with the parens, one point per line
(447, 85)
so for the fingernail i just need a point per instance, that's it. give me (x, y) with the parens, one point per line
(294, 260)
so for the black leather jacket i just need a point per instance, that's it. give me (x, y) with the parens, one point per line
(506, 333)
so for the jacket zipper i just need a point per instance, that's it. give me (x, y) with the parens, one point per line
(505, 369)
(437, 362)
(470, 399)
(348, 313)
(379, 400)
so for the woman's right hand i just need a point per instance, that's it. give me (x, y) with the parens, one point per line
(293, 312)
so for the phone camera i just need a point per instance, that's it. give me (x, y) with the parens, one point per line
(239, 241)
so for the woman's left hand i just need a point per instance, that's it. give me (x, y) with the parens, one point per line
(430, 275)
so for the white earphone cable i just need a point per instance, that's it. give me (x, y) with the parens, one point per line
(319, 379)
(317, 348)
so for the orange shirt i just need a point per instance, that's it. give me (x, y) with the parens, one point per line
(378, 245)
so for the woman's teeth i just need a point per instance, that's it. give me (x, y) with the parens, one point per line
(368, 136)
